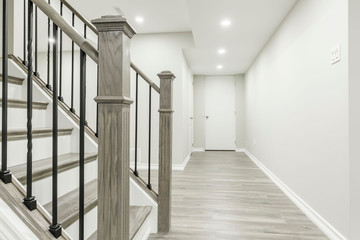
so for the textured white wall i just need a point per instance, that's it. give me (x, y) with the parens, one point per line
(297, 121)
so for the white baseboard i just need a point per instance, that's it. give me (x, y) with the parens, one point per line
(318, 220)
(176, 167)
(240, 150)
(198, 149)
(182, 166)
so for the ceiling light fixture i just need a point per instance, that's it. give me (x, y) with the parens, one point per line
(51, 40)
(219, 67)
(221, 51)
(139, 19)
(225, 23)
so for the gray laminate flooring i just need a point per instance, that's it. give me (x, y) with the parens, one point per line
(224, 195)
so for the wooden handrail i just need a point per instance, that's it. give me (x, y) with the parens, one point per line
(69, 30)
(80, 16)
(146, 78)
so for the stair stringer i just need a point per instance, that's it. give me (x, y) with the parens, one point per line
(138, 197)
(11, 226)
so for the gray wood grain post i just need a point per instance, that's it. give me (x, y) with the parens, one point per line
(114, 127)
(165, 150)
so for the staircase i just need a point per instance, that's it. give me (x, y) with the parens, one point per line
(68, 164)
(62, 178)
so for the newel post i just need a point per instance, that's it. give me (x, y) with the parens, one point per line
(114, 127)
(165, 150)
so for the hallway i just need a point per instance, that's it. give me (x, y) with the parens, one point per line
(224, 195)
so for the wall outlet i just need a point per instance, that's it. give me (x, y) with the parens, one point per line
(335, 54)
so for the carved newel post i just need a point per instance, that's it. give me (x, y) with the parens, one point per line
(113, 127)
(165, 150)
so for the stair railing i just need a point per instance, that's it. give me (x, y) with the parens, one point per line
(139, 74)
(114, 115)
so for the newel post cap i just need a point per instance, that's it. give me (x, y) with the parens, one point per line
(166, 75)
(112, 23)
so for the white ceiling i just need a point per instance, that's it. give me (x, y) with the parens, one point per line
(253, 23)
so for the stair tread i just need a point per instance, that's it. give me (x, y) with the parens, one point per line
(18, 134)
(16, 103)
(43, 168)
(138, 215)
(13, 80)
(68, 206)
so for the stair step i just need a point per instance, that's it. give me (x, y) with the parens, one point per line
(14, 103)
(13, 80)
(68, 204)
(138, 215)
(36, 133)
(43, 168)
(69, 208)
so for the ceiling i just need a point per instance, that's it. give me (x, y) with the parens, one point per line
(252, 24)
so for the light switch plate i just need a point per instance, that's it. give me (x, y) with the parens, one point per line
(335, 54)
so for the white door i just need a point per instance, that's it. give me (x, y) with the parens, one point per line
(220, 117)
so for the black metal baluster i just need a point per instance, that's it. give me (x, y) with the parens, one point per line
(36, 73)
(149, 163)
(55, 227)
(24, 43)
(29, 201)
(60, 66)
(136, 123)
(48, 55)
(72, 69)
(82, 142)
(5, 174)
(86, 123)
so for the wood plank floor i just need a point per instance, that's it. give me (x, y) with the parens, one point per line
(224, 195)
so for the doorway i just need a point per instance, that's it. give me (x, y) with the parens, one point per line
(220, 118)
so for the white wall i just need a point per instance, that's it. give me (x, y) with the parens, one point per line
(199, 111)
(240, 111)
(354, 117)
(297, 108)
(1, 28)
(11, 19)
(91, 82)
(154, 53)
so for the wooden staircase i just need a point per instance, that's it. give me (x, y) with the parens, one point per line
(68, 168)
(42, 169)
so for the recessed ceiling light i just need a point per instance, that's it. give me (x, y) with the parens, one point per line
(219, 67)
(51, 40)
(225, 23)
(222, 51)
(139, 19)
